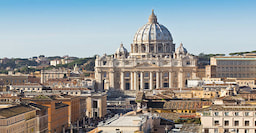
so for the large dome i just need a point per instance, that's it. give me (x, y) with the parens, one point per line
(152, 32)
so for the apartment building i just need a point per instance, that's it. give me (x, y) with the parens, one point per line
(18, 119)
(232, 66)
(229, 118)
(57, 113)
(73, 103)
(41, 117)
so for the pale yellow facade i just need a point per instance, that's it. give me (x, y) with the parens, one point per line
(232, 66)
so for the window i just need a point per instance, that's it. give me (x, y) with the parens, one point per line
(216, 123)
(226, 113)
(246, 131)
(206, 130)
(246, 113)
(166, 85)
(95, 104)
(246, 123)
(236, 123)
(216, 130)
(104, 62)
(118, 131)
(236, 113)
(216, 113)
(226, 123)
(226, 131)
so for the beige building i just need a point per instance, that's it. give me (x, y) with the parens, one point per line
(18, 119)
(41, 117)
(96, 105)
(232, 66)
(54, 74)
(251, 82)
(152, 62)
(229, 119)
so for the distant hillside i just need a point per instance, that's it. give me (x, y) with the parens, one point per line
(241, 53)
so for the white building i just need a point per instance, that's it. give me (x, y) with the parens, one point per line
(135, 123)
(152, 62)
(29, 87)
(229, 118)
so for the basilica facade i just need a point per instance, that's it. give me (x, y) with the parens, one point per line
(152, 63)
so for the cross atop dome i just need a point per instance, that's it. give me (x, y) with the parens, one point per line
(152, 18)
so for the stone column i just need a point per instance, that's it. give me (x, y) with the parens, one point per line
(77, 125)
(122, 81)
(99, 77)
(151, 81)
(170, 79)
(147, 48)
(180, 79)
(161, 79)
(131, 81)
(139, 48)
(157, 80)
(112, 79)
(63, 129)
(135, 81)
(141, 81)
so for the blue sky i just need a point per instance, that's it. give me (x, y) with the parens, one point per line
(87, 27)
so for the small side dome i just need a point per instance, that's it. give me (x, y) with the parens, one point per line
(181, 50)
(121, 51)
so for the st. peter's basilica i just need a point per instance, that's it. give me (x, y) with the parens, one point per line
(152, 62)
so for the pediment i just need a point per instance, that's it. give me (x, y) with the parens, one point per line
(146, 65)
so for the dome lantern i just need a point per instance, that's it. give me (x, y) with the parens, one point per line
(152, 18)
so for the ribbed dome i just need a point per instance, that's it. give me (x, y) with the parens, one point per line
(152, 31)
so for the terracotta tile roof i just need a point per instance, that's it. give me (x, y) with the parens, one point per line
(58, 80)
(186, 105)
(70, 88)
(173, 116)
(244, 107)
(41, 97)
